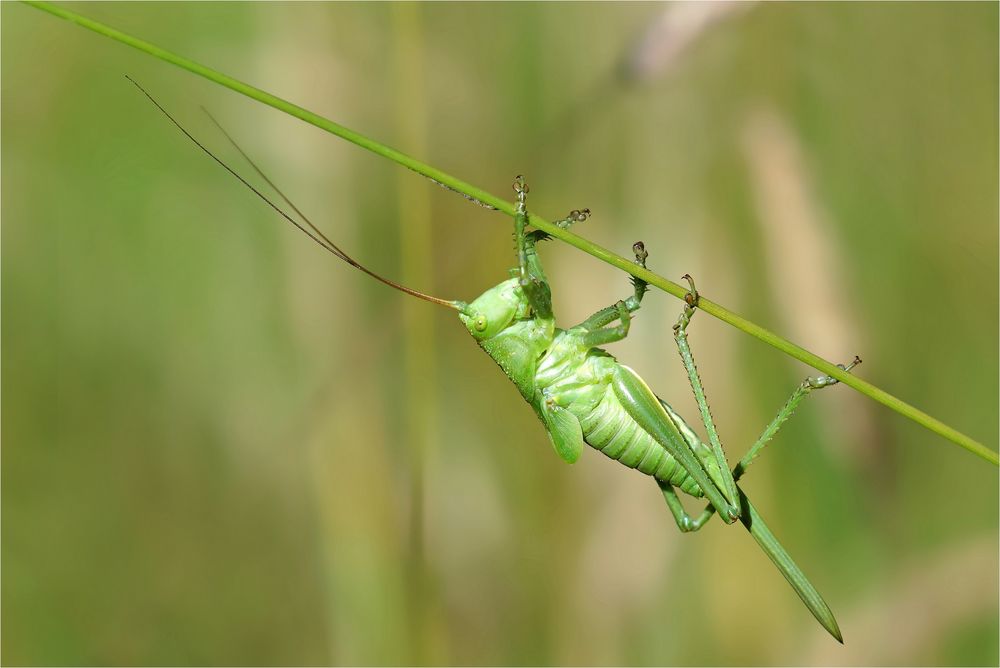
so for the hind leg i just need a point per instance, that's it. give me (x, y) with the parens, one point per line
(801, 392)
(726, 481)
(685, 522)
(786, 411)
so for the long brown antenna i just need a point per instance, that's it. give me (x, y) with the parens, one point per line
(312, 231)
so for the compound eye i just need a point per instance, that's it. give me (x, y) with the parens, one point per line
(479, 323)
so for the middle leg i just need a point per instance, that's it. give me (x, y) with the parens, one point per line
(607, 315)
(597, 331)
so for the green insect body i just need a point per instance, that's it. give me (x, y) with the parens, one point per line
(572, 387)
(579, 391)
(583, 395)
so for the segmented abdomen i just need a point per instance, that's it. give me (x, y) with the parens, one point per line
(611, 430)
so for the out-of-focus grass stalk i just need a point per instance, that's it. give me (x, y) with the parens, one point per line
(472, 192)
(419, 353)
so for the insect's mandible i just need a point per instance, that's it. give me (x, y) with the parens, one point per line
(584, 396)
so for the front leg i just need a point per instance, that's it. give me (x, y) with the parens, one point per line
(573, 217)
(530, 275)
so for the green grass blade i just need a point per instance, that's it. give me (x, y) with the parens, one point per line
(479, 195)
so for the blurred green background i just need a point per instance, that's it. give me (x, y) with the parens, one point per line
(223, 446)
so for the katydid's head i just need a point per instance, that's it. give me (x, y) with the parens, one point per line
(494, 310)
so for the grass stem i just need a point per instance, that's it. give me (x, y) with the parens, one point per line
(706, 305)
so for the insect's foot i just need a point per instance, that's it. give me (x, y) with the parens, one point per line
(819, 382)
(639, 249)
(574, 216)
(691, 298)
(521, 188)
(639, 286)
